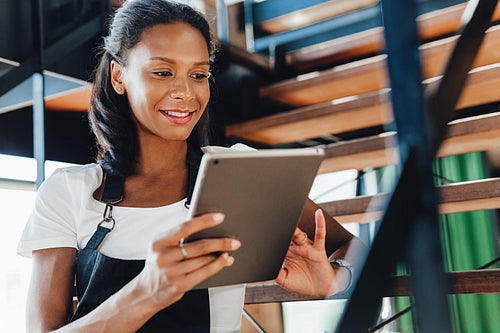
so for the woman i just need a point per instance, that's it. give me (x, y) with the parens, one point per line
(148, 111)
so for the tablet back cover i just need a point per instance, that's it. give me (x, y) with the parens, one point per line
(263, 196)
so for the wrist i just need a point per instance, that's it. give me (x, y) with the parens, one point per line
(141, 296)
(344, 274)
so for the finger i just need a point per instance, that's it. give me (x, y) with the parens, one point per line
(320, 233)
(190, 265)
(188, 228)
(210, 245)
(299, 237)
(200, 248)
(280, 279)
(199, 275)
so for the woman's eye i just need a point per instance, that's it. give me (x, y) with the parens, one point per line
(163, 73)
(200, 76)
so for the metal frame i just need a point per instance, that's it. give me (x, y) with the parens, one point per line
(34, 66)
(410, 229)
(38, 91)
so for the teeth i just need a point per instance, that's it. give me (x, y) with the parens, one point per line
(177, 114)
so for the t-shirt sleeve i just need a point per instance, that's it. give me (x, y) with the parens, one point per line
(52, 220)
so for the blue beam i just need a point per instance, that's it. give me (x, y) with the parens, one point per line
(270, 9)
(362, 17)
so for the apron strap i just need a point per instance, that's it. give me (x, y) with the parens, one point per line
(97, 237)
(193, 161)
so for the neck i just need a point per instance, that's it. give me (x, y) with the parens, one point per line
(159, 158)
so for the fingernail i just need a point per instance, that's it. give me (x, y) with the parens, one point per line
(229, 260)
(218, 217)
(235, 244)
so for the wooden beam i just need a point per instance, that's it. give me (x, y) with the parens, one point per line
(479, 133)
(374, 151)
(354, 46)
(313, 14)
(73, 100)
(370, 74)
(431, 25)
(453, 198)
(325, 118)
(461, 282)
(351, 79)
(355, 112)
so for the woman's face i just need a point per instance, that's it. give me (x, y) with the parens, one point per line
(166, 80)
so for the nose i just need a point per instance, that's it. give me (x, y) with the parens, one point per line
(180, 87)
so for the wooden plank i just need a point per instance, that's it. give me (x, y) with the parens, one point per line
(354, 78)
(460, 282)
(347, 114)
(370, 74)
(73, 100)
(327, 118)
(460, 197)
(431, 25)
(479, 133)
(313, 14)
(353, 46)
(374, 151)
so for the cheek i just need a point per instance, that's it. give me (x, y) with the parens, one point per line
(204, 96)
(138, 95)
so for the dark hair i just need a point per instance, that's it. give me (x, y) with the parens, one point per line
(110, 115)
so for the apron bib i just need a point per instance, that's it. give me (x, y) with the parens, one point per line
(99, 276)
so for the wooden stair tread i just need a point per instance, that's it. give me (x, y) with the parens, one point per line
(313, 14)
(431, 25)
(459, 282)
(452, 198)
(73, 100)
(370, 74)
(368, 110)
(479, 133)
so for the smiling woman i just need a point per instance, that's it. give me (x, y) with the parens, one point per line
(166, 81)
(115, 228)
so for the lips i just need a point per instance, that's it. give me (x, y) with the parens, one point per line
(178, 116)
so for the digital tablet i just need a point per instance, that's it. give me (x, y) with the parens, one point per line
(262, 194)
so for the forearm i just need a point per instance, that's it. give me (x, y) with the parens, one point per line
(125, 311)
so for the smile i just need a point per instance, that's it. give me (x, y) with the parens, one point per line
(177, 114)
(178, 117)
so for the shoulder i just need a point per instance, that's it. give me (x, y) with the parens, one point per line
(72, 179)
(234, 148)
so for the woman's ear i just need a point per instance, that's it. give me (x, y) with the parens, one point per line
(116, 77)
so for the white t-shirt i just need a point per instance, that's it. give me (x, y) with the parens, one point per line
(66, 215)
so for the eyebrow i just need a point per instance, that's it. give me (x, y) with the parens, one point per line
(172, 61)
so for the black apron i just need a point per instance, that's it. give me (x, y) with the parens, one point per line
(99, 276)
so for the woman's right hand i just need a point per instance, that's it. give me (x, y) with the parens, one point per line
(169, 273)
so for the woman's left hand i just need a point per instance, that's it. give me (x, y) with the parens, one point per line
(306, 269)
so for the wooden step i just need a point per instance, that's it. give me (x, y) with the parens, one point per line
(370, 74)
(431, 25)
(313, 14)
(453, 198)
(355, 112)
(460, 282)
(479, 133)
(73, 100)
